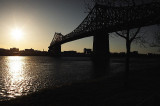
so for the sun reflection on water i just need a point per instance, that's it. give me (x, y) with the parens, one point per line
(15, 79)
(16, 69)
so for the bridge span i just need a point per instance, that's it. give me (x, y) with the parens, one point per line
(102, 20)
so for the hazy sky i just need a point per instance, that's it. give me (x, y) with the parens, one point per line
(40, 19)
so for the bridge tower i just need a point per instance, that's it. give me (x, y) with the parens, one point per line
(101, 46)
(55, 46)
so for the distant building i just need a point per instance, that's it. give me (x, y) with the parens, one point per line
(14, 51)
(4, 52)
(69, 53)
(135, 52)
(29, 50)
(153, 54)
(87, 51)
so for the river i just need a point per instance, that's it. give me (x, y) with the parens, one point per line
(21, 75)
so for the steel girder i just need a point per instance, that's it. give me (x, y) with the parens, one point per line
(112, 19)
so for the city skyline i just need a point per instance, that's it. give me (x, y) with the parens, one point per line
(40, 19)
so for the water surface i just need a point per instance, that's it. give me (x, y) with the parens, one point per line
(21, 75)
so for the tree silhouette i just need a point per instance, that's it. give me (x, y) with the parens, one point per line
(129, 35)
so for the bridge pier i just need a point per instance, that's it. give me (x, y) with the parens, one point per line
(101, 46)
(101, 54)
(56, 50)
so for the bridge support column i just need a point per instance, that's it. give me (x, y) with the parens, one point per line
(56, 50)
(101, 55)
(101, 46)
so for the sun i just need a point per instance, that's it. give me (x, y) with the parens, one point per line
(17, 33)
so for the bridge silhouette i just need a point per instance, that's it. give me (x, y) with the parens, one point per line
(102, 20)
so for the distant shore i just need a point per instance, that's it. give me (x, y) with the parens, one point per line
(84, 55)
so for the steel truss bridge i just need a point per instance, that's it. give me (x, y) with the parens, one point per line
(103, 19)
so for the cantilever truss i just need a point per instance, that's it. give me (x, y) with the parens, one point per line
(56, 38)
(112, 19)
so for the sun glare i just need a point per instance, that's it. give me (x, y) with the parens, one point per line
(17, 33)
